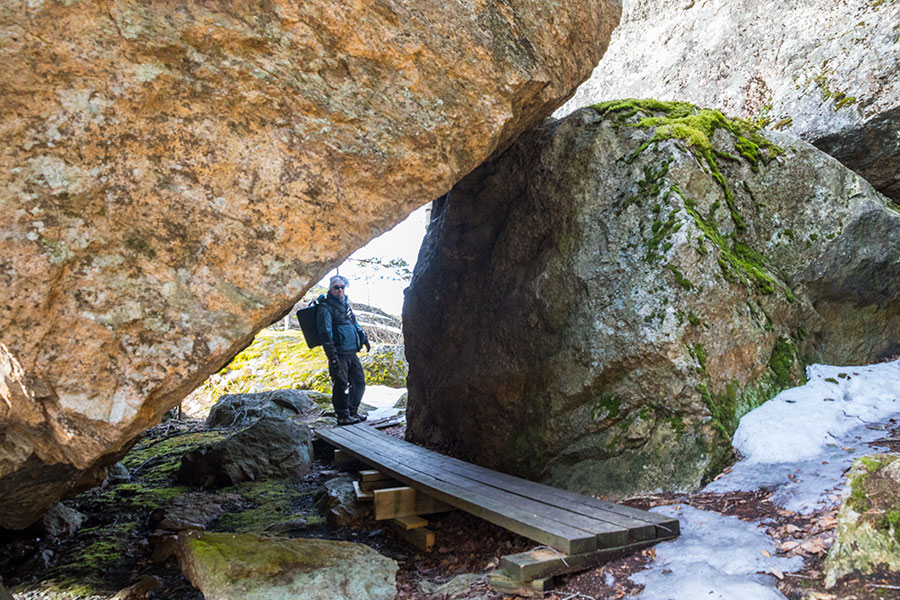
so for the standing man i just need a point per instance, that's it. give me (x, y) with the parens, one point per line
(342, 338)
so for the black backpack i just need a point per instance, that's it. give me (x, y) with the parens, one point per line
(307, 318)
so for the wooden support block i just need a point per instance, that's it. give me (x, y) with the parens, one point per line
(362, 495)
(410, 522)
(529, 589)
(392, 503)
(368, 486)
(420, 538)
(344, 461)
(536, 564)
(372, 475)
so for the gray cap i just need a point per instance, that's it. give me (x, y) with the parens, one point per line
(338, 279)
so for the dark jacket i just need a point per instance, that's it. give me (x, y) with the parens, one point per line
(338, 329)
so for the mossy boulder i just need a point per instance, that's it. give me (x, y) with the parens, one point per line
(598, 306)
(251, 567)
(868, 537)
(270, 447)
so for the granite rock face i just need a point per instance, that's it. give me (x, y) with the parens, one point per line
(175, 176)
(597, 307)
(823, 70)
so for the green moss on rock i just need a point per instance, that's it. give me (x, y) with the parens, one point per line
(868, 536)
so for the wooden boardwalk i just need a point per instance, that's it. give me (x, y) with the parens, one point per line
(568, 522)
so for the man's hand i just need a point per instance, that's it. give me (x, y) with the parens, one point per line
(368, 346)
(334, 365)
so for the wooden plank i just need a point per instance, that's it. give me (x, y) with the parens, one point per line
(411, 522)
(608, 534)
(368, 486)
(372, 475)
(563, 537)
(362, 495)
(536, 564)
(392, 503)
(420, 538)
(642, 524)
(344, 460)
(528, 589)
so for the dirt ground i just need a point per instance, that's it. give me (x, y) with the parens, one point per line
(35, 566)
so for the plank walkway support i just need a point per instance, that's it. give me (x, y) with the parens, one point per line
(573, 524)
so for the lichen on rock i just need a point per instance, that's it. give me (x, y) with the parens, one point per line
(868, 536)
(824, 71)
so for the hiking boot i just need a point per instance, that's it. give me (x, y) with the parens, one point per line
(347, 421)
(360, 417)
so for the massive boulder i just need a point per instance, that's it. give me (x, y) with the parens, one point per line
(823, 70)
(175, 175)
(597, 307)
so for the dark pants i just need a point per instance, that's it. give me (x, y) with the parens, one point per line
(350, 374)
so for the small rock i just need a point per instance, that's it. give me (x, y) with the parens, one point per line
(164, 546)
(191, 511)
(270, 447)
(454, 588)
(142, 590)
(286, 526)
(118, 474)
(338, 502)
(61, 521)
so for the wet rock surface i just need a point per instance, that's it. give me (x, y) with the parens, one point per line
(179, 176)
(823, 70)
(618, 288)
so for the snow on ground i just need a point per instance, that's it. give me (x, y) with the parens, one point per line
(382, 400)
(715, 557)
(811, 433)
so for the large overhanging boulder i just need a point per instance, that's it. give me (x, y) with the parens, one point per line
(825, 70)
(175, 175)
(598, 307)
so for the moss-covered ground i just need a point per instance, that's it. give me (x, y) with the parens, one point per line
(282, 360)
(112, 546)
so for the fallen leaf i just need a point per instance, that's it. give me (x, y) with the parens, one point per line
(828, 522)
(777, 573)
(765, 553)
(788, 546)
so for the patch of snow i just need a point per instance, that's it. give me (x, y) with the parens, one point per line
(801, 442)
(382, 399)
(715, 557)
(798, 444)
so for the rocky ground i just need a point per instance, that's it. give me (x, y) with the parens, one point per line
(116, 545)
